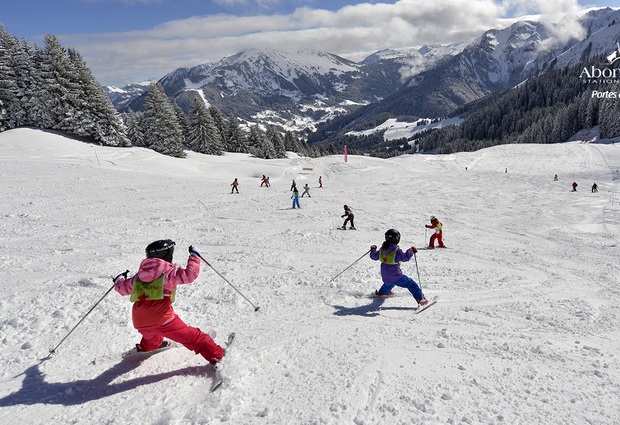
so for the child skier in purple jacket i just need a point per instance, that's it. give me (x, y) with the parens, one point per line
(391, 256)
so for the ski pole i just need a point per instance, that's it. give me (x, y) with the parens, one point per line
(256, 308)
(334, 278)
(53, 350)
(417, 269)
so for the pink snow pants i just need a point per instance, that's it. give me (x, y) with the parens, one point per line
(192, 338)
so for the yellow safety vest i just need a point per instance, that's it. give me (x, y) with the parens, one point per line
(151, 290)
(388, 258)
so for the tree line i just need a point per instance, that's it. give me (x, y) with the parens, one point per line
(52, 88)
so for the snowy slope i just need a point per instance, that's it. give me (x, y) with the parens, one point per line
(526, 330)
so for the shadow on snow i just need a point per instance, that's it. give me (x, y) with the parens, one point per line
(371, 310)
(35, 390)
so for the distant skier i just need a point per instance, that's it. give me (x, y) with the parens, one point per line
(391, 256)
(264, 181)
(295, 197)
(320, 182)
(575, 186)
(306, 191)
(235, 186)
(594, 188)
(438, 235)
(152, 292)
(555, 178)
(350, 217)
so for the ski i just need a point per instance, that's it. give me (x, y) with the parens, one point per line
(431, 302)
(218, 379)
(373, 295)
(165, 345)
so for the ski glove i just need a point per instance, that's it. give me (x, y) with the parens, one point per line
(414, 249)
(373, 247)
(124, 274)
(194, 251)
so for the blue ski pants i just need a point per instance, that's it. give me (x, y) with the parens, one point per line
(404, 282)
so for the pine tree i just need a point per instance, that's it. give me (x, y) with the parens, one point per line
(260, 145)
(218, 121)
(291, 143)
(203, 135)
(182, 121)
(37, 101)
(234, 135)
(162, 131)
(276, 139)
(14, 78)
(592, 112)
(254, 138)
(95, 116)
(56, 79)
(133, 124)
(609, 116)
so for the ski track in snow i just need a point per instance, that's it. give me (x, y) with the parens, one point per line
(526, 330)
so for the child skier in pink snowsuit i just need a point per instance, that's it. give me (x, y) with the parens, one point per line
(152, 292)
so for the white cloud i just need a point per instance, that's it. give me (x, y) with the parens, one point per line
(121, 57)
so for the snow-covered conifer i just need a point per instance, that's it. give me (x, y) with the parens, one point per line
(277, 141)
(15, 79)
(182, 121)
(162, 131)
(235, 137)
(133, 124)
(95, 116)
(262, 147)
(219, 124)
(202, 134)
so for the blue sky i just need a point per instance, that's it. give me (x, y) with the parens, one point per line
(133, 40)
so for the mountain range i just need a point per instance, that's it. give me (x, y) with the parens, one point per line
(310, 89)
(294, 89)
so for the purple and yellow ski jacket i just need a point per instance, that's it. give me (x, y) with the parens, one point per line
(390, 258)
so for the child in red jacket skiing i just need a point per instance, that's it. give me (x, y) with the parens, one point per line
(391, 256)
(438, 235)
(152, 292)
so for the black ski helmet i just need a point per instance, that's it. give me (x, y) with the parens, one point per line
(163, 248)
(393, 236)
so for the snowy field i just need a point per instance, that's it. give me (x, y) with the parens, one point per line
(526, 331)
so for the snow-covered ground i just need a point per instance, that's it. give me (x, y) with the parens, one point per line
(395, 129)
(526, 330)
